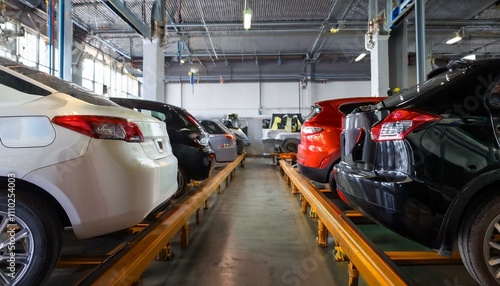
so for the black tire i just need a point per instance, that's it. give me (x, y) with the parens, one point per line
(37, 252)
(182, 183)
(290, 145)
(475, 234)
(240, 146)
(334, 195)
(332, 184)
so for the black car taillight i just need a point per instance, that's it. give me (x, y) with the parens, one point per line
(400, 123)
(101, 127)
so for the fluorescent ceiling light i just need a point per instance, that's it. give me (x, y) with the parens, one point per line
(458, 37)
(470, 57)
(360, 57)
(454, 40)
(247, 18)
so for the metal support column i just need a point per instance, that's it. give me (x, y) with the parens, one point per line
(398, 61)
(377, 42)
(420, 39)
(379, 57)
(50, 32)
(65, 39)
(153, 70)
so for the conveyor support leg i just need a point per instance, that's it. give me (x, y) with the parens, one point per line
(353, 275)
(304, 205)
(184, 235)
(165, 254)
(205, 206)
(138, 282)
(218, 189)
(322, 238)
(197, 216)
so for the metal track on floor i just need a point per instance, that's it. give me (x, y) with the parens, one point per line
(125, 264)
(365, 258)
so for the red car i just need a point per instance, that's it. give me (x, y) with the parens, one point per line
(319, 147)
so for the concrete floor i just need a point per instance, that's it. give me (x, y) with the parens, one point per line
(252, 234)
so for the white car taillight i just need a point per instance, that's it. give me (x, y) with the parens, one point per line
(399, 124)
(311, 130)
(101, 127)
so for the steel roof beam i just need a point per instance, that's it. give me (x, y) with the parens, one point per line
(343, 23)
(317, 24)
(119, 8)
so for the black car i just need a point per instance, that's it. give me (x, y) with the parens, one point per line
(426, 164)
(189, 140)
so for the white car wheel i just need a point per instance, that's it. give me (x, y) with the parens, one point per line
(30, 239)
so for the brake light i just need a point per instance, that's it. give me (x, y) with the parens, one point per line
(101, 127)
(192, 120)
(230, 137)
(400, 123)
(311, 130)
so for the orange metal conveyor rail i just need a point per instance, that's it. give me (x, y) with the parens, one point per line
(373, 265)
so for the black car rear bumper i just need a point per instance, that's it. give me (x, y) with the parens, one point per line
(319, 175)
(196, 163)
(393, 200)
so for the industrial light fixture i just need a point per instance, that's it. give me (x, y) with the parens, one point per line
(458, 37)
(247, 17)
(360, 57)
(469, 57)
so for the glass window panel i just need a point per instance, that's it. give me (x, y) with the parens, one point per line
(44, 55)
(135, 87)
(98, 88)
(88, 84)
(124, 83)
(27, 50)
(118, 82)
(99, 72)
(107, 75)
(88, 69)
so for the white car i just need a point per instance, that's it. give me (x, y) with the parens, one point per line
(71, 159)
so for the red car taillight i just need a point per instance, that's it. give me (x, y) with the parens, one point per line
(101, 127)
(311, 130)
(230, 137)
(399, 124)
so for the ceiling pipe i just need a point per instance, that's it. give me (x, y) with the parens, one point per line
(266, 77)
(312, 51)
(235, 54)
